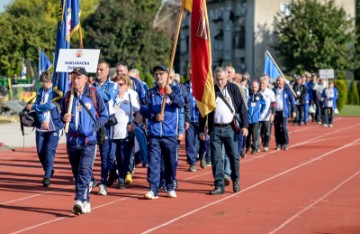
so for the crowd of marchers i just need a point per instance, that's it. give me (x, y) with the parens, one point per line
(133, 124)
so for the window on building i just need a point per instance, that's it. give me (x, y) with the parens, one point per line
(285, 8)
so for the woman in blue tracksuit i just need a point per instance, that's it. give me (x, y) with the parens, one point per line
(49, 126)
(81, 137)
(162, 131)
(256, 106)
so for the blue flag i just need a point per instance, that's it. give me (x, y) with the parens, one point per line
(271, 68)
(44, 62)
(69, 22)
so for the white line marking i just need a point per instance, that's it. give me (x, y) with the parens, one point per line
(312, 204)
(210, 204)
(248, 188)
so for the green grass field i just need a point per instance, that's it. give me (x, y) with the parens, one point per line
(350, 110)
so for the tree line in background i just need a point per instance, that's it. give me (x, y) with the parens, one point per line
(316, 35)
(320, 35)
(121, 29)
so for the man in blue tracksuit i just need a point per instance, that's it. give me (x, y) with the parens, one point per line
(48, 127)
(108, 91)
(192, 142)
(285, 102)
(162, 131)
(82, 134)
(256, 106)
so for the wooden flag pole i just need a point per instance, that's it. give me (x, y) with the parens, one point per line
(282, 74)
(71, 100)
(172, 56)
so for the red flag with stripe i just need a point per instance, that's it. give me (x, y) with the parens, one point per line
(201, 60)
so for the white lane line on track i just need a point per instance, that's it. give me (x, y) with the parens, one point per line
(298, 144)
(281, 226)
(248, 188)
(201, 208)
(69, 216)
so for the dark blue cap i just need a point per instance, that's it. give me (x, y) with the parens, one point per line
(160, 67)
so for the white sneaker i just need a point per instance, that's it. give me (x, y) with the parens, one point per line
(102, 190)
(86, 207)
(92, 185)
(150, 195)
(325, 125)
(171, 194)
(78, 207)
(330, 126)
(266, 149)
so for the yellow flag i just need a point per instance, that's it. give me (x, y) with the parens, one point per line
(187, 4)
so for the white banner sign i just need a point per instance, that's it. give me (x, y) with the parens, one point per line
(71, 58)
(327, 73)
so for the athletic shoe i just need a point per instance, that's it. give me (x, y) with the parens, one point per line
(78, 207)
(325, 125)
(171, 194)
(46, 182)
(266, 149)
(121, 185)
(150, 195)
(92, 184)
(86, 207)
(227, 180)
(278, 147)
(208, 164)
(128, 178)
(330, 125)
(203, 164)
(102, 190)
(285, 147)
(192, 168)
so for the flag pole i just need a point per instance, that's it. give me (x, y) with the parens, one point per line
(282, 74)
(71, 100)
(172, 56)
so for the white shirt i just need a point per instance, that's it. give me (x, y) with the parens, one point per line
(329, 94)
(223, 114)
(123, 111)
(279, 100)
(269, 97)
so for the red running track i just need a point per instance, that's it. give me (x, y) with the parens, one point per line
(311, 188)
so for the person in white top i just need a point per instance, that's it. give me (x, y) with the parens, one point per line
(267, 117)
(125, 105)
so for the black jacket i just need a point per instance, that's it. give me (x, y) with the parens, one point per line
(300, 91)
(239, 105)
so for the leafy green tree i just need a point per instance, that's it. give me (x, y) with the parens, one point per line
(341, 85)
(28, 25)
(353, 98)
(123, 31)
(316, 34)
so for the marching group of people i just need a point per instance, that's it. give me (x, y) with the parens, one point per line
(134, 124)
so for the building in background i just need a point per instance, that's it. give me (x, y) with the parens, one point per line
(241, 32)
